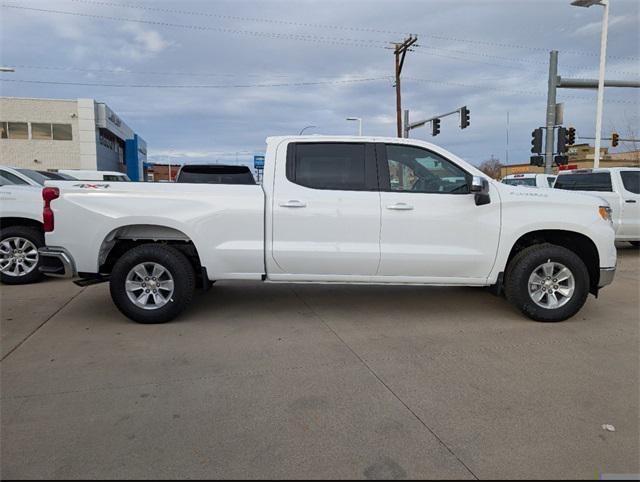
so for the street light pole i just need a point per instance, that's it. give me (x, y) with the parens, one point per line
(603, 60)
(551, 112)
(359, 119)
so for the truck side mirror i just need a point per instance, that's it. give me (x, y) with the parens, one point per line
(480, 188)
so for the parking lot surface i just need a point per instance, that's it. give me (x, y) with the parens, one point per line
(294, 381)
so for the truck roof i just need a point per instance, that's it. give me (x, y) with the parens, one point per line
(599, 169)
(337, 138)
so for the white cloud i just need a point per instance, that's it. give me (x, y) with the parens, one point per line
(594, 28)
(141, 43)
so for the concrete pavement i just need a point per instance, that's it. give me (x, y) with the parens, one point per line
(293, 381)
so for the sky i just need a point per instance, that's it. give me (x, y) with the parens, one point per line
(209, 81)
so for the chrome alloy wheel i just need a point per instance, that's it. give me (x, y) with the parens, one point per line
(551, 285)
(18, 256)
(149, 286)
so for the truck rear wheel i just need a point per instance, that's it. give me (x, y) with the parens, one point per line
(547, 282)
(152, 283)
(19, 259)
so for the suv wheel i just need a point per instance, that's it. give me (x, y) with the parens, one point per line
(152, 283)
(19, 259)
(547, 282)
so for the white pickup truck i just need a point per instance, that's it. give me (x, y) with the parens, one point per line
(333, 210)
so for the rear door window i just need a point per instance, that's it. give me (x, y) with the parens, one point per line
(588, 181)
(335, 166)
(631, 181)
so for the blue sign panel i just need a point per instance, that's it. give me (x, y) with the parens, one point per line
(258, 162)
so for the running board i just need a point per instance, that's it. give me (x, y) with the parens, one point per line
(94, 280)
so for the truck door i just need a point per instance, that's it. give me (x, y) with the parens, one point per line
(630, 218)
(326, 212)
(432, 230)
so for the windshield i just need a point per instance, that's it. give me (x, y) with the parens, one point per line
(520, 181)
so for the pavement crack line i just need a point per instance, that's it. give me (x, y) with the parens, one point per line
(384, 384)
(42, 324)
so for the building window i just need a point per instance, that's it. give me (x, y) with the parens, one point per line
(3, 130)
(40, 131)
(18, 130)
(107, 139)
(62, 132)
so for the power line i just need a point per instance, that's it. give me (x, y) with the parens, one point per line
(147, 72)
(301, 84)
(366, 43)
(341, 27)
(303, 37)
(201, 86)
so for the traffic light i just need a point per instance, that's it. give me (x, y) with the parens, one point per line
(465, 117)
(435, 127)
(563, 140)
(537, 161)
(615, 137)
(536, 142)
(571, 136)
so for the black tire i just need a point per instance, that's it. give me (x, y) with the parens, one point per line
(180, 269)
(635, 243)
(36, 237)
(522, 266)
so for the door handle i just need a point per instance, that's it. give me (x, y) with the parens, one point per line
(630, 201)
(400, 207)
(294, 203)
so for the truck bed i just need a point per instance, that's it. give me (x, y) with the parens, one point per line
(224, 222)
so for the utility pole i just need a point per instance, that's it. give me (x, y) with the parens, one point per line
(400, 51)
(551, 112)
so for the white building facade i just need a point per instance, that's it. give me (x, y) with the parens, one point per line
(52, 134)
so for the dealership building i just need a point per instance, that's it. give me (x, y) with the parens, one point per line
(52, 134)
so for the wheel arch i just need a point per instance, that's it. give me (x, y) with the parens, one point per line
(123, 238)
(579, 243)
(7, 221)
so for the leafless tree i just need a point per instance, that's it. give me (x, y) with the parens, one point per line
(491, 167)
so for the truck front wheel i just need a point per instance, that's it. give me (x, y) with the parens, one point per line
(547, 282)
(152, 283)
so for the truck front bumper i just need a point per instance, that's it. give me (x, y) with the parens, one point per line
(606, 276)
(56, 262)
